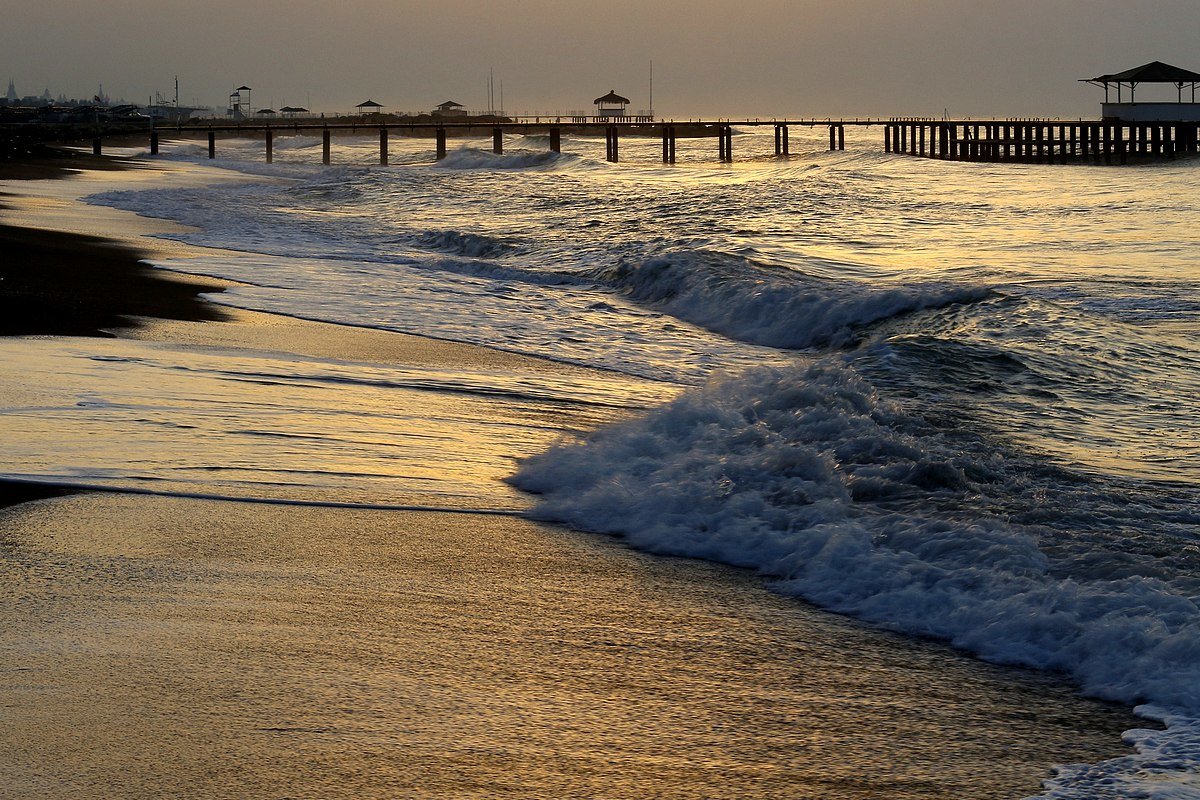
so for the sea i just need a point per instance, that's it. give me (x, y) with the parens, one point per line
(954, 400)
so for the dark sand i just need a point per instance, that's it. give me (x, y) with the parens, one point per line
(72, 285)
(164, 647)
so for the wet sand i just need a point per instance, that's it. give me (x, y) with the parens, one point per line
(157, 647)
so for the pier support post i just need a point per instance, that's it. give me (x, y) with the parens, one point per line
(498, 141)
(153, 143)
(383, 147)
(1119, 141)
(955, 155)
(270, 146)
(325, 134)
(440, 139)
(841, 137)
(921, 140)
(1168, 143)
(612, 143)
(97, 146)
(1156, 140)
(887, 138)
(786, 145)
(555, 140)
(832, 137)
(212, 144)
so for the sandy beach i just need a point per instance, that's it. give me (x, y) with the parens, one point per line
(173, 647)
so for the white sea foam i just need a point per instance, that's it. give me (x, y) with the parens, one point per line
(1080, 352)
(808, 476)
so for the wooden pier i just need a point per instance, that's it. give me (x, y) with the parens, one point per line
(1042, 141)
(1030, 141)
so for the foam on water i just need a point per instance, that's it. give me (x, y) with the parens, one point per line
(950, 398)
(859, 505)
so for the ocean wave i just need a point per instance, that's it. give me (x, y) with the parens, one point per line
(469, 158)
(810, 477)
(776, 307)
(474, 245)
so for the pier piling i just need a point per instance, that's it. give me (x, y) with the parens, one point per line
(153, 143)
(383, 147)
(270, 146)
(440, 136)
(212, 144)
(498, 141)
(325, 146)
(725, 142)
(555, 140)
(97, 146)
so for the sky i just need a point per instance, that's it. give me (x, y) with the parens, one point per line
(728, 58)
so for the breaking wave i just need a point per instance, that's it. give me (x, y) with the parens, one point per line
(857, 504)
(771, 306)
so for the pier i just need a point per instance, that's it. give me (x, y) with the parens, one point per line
(1042, 141)
(1011, 140)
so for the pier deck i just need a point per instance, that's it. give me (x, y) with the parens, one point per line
(1023, 140)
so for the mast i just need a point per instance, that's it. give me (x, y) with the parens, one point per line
(652, 90)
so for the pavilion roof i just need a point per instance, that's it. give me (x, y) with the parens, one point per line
(450, 104)
(369, 104)
(1154, 72)
(611, 97)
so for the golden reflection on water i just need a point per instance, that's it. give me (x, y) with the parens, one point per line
(183, 648)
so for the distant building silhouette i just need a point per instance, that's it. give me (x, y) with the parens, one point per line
(450, 109)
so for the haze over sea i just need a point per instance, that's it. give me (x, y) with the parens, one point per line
(954, 400)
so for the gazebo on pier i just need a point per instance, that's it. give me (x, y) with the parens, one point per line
(611, 105)
(368, 107)
(1154, 72)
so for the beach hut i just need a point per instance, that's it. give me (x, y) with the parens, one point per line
(293, 111)
(1156, 72)
(450, 109)
(610, 105)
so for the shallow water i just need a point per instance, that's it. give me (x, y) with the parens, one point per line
(957, 400)
(221, 650)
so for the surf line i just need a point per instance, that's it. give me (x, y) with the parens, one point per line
(269, 501)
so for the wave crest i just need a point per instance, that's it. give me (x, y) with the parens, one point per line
(775, 307)
(808, 476)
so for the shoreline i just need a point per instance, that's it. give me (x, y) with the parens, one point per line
(448, 690)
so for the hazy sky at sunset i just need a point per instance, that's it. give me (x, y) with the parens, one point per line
(728, 57)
